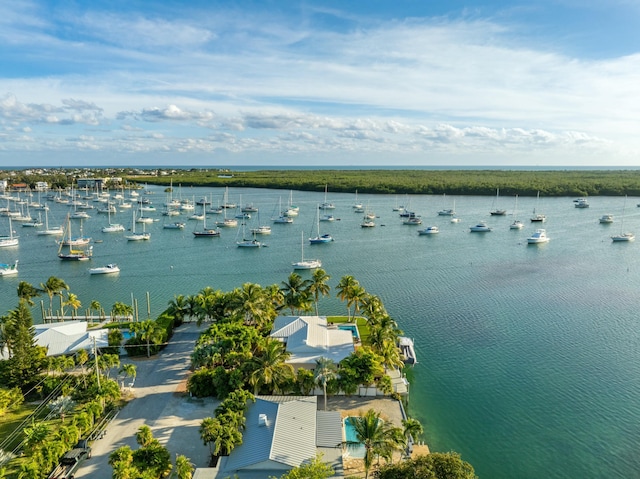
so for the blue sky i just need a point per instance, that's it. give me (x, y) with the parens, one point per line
(404, 82)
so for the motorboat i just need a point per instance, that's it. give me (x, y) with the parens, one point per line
(581, 203)
(516, 225)
(108, 269)
(539, 236)
(327, 218)
(8, 269)
(367, 223)
(429, 230)
(173, 226)
(407, 349)
(481, 227)
(261, 230)
(606, 219)
(623, 237)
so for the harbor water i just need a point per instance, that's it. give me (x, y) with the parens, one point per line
(528, 355)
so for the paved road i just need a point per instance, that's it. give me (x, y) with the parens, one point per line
(173, 417)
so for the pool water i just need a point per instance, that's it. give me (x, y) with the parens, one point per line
(350, 327)
(354, 448)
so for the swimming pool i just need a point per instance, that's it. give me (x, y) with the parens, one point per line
(353, 447)
(350, 327)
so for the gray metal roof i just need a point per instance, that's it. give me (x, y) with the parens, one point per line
(329, 429)
(287, 438)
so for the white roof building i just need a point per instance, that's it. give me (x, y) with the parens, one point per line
(68, 337)
(309, 338)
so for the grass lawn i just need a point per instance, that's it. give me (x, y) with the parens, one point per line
(11, 421)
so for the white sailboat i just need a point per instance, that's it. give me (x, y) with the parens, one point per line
(112, 227)
(261, 229)
(10, 239)
(538, 217)
(320, 239)
(144, 236)
(51, 231)
(248, 243)
(517, 224)
(326, 205)
(306, 263)
(623, 236)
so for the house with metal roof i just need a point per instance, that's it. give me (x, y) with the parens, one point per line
(68, 337)
(283, 432)
(309, 338)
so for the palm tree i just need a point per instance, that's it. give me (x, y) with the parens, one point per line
(27, 292)
(210, 429)
(95, 306)
(319, 286)
(150, 332)
(269, 366)
(178, 307)
(294, 292)
(358, 293)
(74, 302)
(412, 428)
(129, 370)
(252, 302)
(324, 372)
(121, 310)
(35, 435)
(345, 291)
(54, 286)
(8, 324)
(373, 433)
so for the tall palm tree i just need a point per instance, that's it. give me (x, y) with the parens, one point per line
(269, 366)
(178, 308)
(373, 433)
(74, 302)
(319, 286)
(325, 371)
(345, 291)
(27, 292)
(252, 302)
(210, 429)
(295, 292)
(130, 371)
(355, 298)
(95, 306)
(412, 428)
(121, 310)
(53, 287)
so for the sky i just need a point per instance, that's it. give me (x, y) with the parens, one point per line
(319, 83)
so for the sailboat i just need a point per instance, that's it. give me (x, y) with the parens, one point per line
(75, 240)
(306, 263)
(517, 224)
(291, 210)
(357, 205)
(112, 227)
(623, 236)
(448, 211)
(72, 252)
(326, 205)
(52, 231)
(137, 236)
(205, 232)
(282, 219)
(538, 217)
(498, 211)
(261, 229)
(227, 222)
(319, 239)
(10, 239)
(248, 243)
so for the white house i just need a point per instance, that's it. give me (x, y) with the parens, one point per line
(309, 338)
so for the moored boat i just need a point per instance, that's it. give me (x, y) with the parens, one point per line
(108, 269)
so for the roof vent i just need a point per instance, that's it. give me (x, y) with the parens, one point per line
(262, 420)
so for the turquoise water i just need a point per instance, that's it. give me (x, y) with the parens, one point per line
(350, 327)
(355, 448)
(529, 357)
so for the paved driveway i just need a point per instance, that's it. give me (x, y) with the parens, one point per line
(173, 417)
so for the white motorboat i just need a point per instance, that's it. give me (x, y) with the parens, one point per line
(367, 223)
(481, 227)
(623, 237)
(429, 230)
(581, 203)
(108, 269)
(516, 225)
(539, 236)
(412, 221)
(408, 351)
(606, 219)
(8, 269)
(174, 226)
(261, 230)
